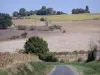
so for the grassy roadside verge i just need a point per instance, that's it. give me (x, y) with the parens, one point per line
(28, 68)
(43, 68)
(91, 68)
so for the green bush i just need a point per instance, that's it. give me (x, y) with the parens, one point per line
(36, 45)
(42, 19)
(24, 35)
(54, 27)
(48, 57)
(5, 20)
(57, 26)
(91, 54)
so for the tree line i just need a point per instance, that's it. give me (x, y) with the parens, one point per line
(43, 11)
(80, 10)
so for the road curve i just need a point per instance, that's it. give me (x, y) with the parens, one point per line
(63, 70)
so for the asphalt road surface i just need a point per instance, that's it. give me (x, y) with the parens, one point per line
(64, 70)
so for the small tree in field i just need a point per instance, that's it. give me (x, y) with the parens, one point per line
(36, 45)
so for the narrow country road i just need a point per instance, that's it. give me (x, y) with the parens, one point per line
(63, 70)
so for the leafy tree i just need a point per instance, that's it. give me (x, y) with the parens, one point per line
(43, 10)
(54, 12)
(32, 12)
(22, 12)
(36, 45)
(59, 12)
(91, 53)
(50, 11)
(27, 13)
(15, 14)
(5, 20)
(38, 12)
(87, 9)
(80, 10)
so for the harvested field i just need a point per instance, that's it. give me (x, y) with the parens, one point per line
(77, 37)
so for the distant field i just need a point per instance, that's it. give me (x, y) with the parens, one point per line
(68, 17)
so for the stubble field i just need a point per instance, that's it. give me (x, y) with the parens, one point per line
(77, 37)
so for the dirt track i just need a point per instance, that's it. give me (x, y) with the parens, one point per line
(77, 37)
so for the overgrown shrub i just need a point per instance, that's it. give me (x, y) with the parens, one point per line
(24, 35)
(91, 54)
(36, 45)
(54, 27)
(20, 27)
(48, 57)
(5, 20)
(63, 31)
(42, 19)
(57, 27)
(51, 28)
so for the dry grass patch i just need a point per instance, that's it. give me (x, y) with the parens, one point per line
(9, 58)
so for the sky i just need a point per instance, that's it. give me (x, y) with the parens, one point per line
(8, 6)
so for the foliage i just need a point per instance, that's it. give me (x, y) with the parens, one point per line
(32, 12)
(27, 13)
(48, 57)
(5, 21)
(87, 9)
(36, 45)
(91, 53)
(42, 11)
(42, 19)
(15, 14)
(60, 12)
(24, 35)
(54, 27)
(80, 10)
(22, 12)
